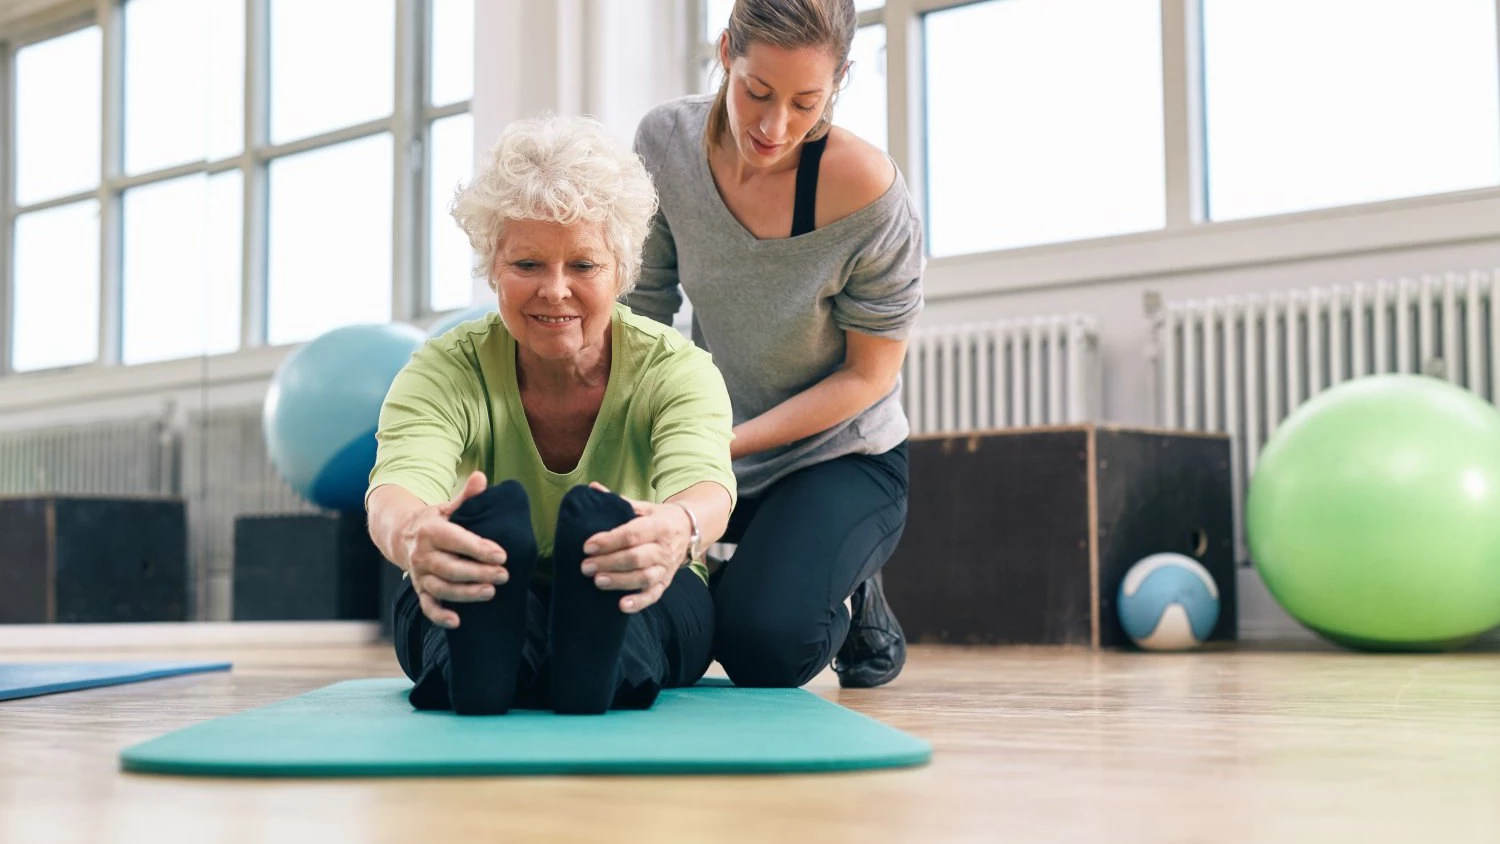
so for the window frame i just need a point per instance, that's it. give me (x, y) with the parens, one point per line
(1188, 241)
(43, 26)
(409, 125)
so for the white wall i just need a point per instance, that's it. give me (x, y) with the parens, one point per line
(609, 59)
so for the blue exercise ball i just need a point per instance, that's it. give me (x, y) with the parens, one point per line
(1168, 602)
(323, 407)
(451, 321)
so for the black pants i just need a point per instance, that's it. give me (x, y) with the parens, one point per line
(667, 645)
(803, 547)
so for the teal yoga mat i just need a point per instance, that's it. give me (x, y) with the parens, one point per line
(367, 728)
(29, 679)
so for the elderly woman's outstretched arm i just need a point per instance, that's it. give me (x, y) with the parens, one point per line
(425, 426)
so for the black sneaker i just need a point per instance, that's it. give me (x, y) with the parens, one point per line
(875, 650)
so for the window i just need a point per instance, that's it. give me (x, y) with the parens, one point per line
(452, 67)
(181, 291)
(332, 65)
(1363, 102)
(861, 106)
(329, 259)
(715, 18)
(329, 244)
(56, 316)
(324, 174)
(1026, 144)
(54, 272)
(450, 153)
(226, 75)
(174, 66)
(450, 259)
(58, 84)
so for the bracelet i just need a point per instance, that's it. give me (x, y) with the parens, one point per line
(695, 539)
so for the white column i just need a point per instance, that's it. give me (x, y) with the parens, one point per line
(528, 58)
(634, 58)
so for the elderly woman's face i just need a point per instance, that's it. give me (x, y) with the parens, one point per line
(557, 286)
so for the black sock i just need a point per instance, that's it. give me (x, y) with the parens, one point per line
(587, 627)
(485, 649)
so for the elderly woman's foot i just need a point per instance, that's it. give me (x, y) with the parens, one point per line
(587, 626)
(485, 649)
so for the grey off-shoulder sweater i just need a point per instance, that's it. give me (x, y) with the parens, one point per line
(773, 312)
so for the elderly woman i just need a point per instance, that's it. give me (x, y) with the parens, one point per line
(548, 477)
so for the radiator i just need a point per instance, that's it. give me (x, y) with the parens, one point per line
(213, 458)
(1002, 374)
(226, 473)
(1242, 364)
(133, 456)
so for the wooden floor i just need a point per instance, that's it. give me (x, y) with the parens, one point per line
(1030, 745)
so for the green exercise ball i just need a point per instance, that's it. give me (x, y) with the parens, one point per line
(1374, 514)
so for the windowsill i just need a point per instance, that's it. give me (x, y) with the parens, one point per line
(1435, 220)
(95, 382)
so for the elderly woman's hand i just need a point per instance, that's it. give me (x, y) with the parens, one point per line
(640, 556)
(448, 563)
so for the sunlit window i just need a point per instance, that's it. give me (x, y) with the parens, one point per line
(1316, 103)
(1029, 143)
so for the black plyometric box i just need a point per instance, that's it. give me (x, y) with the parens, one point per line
(306, 566)
(92, 559)
(1022, 537)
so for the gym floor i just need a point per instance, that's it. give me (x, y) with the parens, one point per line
(1030, 744)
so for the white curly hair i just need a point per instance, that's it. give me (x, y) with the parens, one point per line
(561, 170)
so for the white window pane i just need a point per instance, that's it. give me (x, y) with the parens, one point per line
(452, 51)
(332, 64)
(1028, 142)
(450, 261)
(56, 318)
(328, 268)
(226, 73)
(58, 113)
(861, 106)
(176, 59)
(715, 18)
(181, 293)
(866, 5)
(1363, 102)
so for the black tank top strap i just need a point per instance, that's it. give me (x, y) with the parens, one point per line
(805, 204)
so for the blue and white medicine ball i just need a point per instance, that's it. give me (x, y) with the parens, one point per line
(1168, 602)
(323, 407)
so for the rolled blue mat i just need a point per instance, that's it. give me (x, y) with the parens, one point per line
(29, 679)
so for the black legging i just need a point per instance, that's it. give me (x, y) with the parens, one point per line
(803, 547)
(667, 645)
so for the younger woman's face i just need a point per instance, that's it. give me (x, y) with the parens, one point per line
(775, 97)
